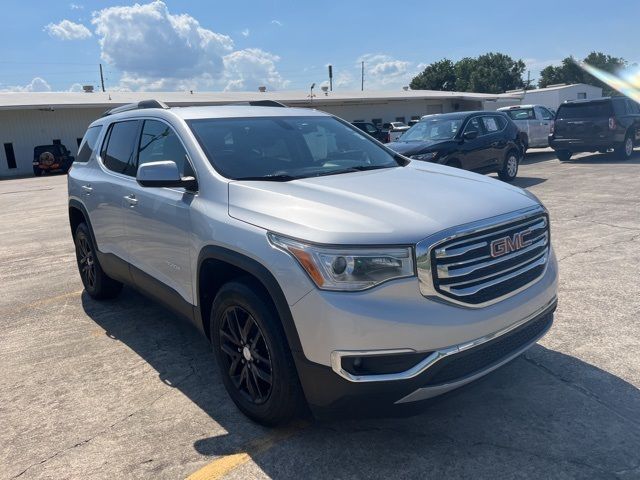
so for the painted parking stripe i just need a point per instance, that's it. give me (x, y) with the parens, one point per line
(223, 465)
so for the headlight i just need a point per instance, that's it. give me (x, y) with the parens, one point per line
(425, 156)
(348, 268)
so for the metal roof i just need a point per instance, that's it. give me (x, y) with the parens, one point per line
(47, 100)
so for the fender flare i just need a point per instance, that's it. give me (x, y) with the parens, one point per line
(264, 276)
(77, 204)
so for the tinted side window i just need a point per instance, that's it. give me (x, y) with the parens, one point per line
(118, 150)
(632, 107)
(159, 142)
(493, 124)
(474, 124)
(546, 114)
(88, 144)
(522, 114)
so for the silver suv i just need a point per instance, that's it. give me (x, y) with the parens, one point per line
(326, 270)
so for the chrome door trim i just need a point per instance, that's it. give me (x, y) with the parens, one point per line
(427, 245)
(430, 360)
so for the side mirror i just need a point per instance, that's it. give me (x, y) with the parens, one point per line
(470, 134)
(164, 174)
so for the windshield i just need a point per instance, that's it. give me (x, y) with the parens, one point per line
(433, 129)
(286, 148)
(584, 110)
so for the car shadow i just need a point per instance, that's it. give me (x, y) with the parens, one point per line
(546, 404)
(526, 182)
(604, 158)
(538, 156)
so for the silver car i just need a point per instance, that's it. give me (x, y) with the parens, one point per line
(326, 270)
(535, 121)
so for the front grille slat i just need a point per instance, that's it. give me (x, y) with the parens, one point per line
(445, 271)
(463, 292)
(488, 264)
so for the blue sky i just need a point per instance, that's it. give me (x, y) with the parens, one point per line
(216, 45)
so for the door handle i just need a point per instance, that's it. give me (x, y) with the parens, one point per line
(131, 199)
(87, 188)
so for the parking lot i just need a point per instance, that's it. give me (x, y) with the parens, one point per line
(124, 389)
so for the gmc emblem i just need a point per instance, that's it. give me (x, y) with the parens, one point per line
(508, 244)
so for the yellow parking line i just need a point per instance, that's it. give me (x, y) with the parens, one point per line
(223, 465)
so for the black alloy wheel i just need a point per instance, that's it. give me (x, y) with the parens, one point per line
(246, 355)
(86, 262)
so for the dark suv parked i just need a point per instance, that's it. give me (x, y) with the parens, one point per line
(480, 141)
(372, 130)
(596, 126)
(51, 158)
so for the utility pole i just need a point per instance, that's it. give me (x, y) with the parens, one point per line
(528, 79)
(101, 78)
(330, 78)
(362, 77)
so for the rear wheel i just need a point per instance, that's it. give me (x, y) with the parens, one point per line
(625, 150)
(563, 155)
(96, 283)
(253, 355)
(510, 167)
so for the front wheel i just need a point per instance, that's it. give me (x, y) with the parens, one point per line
(510, 168)
(563, 155)
(625, 150)
(253, 355)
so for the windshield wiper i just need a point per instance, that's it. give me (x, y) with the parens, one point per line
(271, 178)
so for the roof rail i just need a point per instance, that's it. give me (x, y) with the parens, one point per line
(261, 103)
(136, 106)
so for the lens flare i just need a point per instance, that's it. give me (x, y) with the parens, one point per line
(626, 81)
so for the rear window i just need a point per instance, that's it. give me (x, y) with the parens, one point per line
(88, 144)
(521, 114)
(584, 110)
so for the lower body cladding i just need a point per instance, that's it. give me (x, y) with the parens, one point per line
(392, 365)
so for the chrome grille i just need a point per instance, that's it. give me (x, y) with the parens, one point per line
(483, 264)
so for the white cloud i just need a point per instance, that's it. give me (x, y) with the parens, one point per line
(157, 50)
(250, 68)
(344, 80)
(36, 85)
(385, 71)
(76, 6)
(76, 87)
(277, 22)
(245, 32)
(67, 30)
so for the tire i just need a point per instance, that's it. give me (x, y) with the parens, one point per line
(625, 150)
(96, 283)
(253, 355)
(563, 155)
(509, 170)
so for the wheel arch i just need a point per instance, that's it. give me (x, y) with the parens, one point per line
(218, 265)
(77, 215)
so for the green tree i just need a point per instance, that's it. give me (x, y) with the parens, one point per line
(439, 75)
(488, 73)
(570, 72)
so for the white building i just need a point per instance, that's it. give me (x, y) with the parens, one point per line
(551, 96)
(31, 119)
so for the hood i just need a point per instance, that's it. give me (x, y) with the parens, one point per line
(414, 148)
(389, 206)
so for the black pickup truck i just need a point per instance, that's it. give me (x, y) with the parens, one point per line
(596, 126)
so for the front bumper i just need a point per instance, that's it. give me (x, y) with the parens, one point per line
(329, 393)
